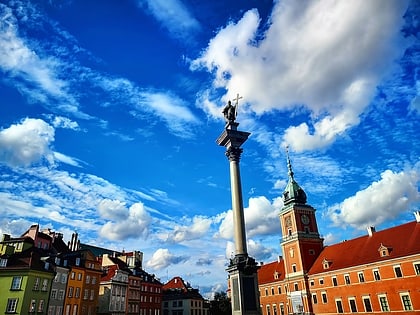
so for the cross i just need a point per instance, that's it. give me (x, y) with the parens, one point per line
(237, 103)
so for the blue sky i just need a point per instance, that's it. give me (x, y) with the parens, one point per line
(110, 111)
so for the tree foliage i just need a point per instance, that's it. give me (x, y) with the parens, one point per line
(220, 305)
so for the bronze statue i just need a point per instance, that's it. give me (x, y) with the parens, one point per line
(229, 112)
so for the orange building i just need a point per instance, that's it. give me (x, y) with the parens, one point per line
(375, 273)
(83, 283)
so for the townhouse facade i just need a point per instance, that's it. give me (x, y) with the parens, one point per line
(375, 273)
(25, 277)
(180, 298)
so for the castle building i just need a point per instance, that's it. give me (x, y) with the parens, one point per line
(375, 273)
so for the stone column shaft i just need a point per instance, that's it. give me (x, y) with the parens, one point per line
(237, 209)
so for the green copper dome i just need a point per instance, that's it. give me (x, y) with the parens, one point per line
(293, 193)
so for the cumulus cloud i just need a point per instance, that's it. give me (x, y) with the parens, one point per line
(130, 223)
(112, 209)
(198, 227)
(261, 218)
(327, 56)
(162, 258)
(385, 199)
(26, 143)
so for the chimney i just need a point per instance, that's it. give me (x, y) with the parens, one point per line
(417, 215)
(371, 230)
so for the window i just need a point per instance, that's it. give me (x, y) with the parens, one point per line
(321, 281)
(334, 281)
(417, 268)
(361, 277)
(296, 286)
(70, 293)
(57, 277)
(311, 252)
(93, 280)
(274, 309)
(54, 294)
(78, 261)
(294, 269)
(312, 283)
(86, 294)
(63, 278)
(73, 275)
(268, 310)
(376, 275)
(281, 309)
(41, 306)
(353, 307)
(279, 289)
(44, 285)
(406, 301)
(266, 292)
(272, 291)
(36, 284)
(16, 283)
(79, 276)
(61, 295)
(366, 302)
(339, 306)
(11, 305)
(347, 279)
(77, 294)
(398, 272)
(32, 306)
(87, 279)
(324, 297)
(3, 262)
(314, 298)
(384, 303)
(92, 295)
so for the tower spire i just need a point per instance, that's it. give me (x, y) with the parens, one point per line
(293, 192)
(289, 164)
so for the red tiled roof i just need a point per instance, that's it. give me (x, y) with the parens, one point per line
(175, 283)
(402, 240)
(267, 272)
(110, 273)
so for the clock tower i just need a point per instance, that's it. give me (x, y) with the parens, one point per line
(301, 243)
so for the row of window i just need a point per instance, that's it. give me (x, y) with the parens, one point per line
(274, 308)
(77, 293)
(382, 299)
(34, 306)
(361, 276)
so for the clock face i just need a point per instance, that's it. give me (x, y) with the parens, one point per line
(304, 218)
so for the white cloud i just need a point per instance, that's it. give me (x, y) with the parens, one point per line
(162, 258)
(26, 143)
(113, 209)
(133, 223)
(261, 218)
(37, 76)
(65, 123)
(173, 15)
(385, 199)
(198, 228)
(328, 56)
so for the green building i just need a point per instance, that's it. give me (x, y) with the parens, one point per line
(25, 277)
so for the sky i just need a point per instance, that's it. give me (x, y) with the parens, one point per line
(110, 111)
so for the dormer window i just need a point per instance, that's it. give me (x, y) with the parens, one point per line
(326, 264)
(276, 275)
(3, 262)
(384, 251)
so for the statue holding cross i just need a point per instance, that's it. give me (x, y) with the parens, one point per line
(231, 111)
